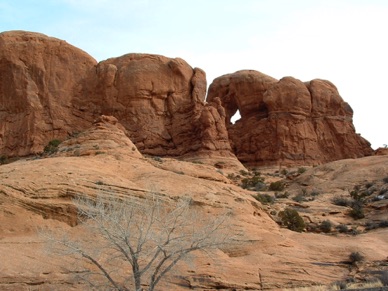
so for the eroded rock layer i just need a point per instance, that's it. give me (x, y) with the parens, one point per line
(287, 121)
(50, 90)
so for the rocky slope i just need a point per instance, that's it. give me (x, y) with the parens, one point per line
(287, 122)
(36, 193)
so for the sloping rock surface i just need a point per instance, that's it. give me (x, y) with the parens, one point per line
(36, 194)
(287, 122)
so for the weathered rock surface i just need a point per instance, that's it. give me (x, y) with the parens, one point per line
(37, 193)
(50, 89)
(160, 101)
(39, 77)
(287, 122)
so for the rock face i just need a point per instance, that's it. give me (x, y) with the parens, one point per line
(39, 77)
(50, 90)
(160, 101)
(287, 122)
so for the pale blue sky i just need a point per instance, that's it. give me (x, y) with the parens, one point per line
(344, 41)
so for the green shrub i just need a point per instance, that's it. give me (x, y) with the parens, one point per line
(299, 198)
(357, 211)
(301, 170)
(276, 186)
(341, 201)
(247, 183)
(52, 146)
(244, 173)
(292, 220)
(342, 228)
(264, 198)
(326, 226)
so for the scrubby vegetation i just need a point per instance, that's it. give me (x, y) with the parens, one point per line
(292, 220)
(52, 146)
(276, 186)
(355, 257)
(264, 198)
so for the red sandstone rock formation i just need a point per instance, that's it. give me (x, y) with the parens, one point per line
(50, 89)
(39, 77)
(160, 101)
(287, 121)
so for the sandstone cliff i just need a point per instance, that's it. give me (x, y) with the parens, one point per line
(39, 78)
(287, 122)
(50, 89)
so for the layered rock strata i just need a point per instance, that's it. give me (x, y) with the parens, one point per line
(287, 122)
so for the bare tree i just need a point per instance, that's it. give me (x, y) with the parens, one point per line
(136, 242)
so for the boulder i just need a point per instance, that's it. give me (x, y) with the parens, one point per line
(287, 122)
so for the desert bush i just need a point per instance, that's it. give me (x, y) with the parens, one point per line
(355, 257)
(252, 182)
(326, 226)
(284, 172)
(383, 223)
(276, 186)
(301, 170)
(264, 198)
(157, 159)
(299, 198)
(52, 146)
(385, 179)
(292, 220)
(244, 173)
(341, 201)
(282, 195)
(260, 186)
(357, 211)
(342, 228)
